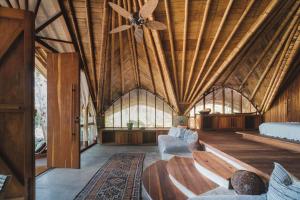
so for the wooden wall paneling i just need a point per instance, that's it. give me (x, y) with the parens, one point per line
(286, 106)
(63, 110)
(16, 102)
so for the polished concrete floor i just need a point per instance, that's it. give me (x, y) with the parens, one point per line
(65, 184)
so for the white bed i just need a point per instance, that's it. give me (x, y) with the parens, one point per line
(285, 130)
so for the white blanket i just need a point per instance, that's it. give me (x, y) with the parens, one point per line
(285, 130)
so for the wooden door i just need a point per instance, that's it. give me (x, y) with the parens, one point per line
(16, 101)
(63, 110)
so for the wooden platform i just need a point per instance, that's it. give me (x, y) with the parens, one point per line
(258, 155)
(185, 176)
(214, 168)
(280, 143)
(157, 183)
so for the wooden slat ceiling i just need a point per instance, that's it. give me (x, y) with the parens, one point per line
(245, 44)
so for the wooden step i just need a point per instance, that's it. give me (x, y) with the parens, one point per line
(214, 168)
(157, 184)
(186, 178)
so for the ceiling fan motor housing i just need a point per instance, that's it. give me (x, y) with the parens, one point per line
(137, 19)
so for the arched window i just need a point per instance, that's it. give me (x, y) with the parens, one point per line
(222, 101)
(142, 108)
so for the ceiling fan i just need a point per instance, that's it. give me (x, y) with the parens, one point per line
(138, 19)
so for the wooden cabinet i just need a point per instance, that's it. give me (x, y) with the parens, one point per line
(135, 137)
(126, 137)
(228, 122)
(121, 137)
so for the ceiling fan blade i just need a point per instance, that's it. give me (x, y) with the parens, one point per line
(120, 10)
(155, 25)
(120, 28)
(139, 34)
(147, 9)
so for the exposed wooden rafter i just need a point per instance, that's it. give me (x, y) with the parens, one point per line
(49, 21)
(199, 39)
(91, 41)
(149, 65)
(8, 3)
(280, 64)
(208, 54)
(294, 49)
(102, 58)
(185, 27)
(121, 50)
(36, 8)
(46, 45)
(80, 46)
(273, 58)
(54, 39)
(172, 46)
(265, 51)
(240, 46)
(18, 4)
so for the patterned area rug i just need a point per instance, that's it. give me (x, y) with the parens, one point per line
(118, 179)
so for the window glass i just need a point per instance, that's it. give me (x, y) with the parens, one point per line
(142, 108)
(209, 101)
(117, 113)
(232, 103)
(109, 117)
(134, 107)
(218, 101)
(150, 110)
(228, 102)
(167, 115)
(236, 102)
(246, 105)
(159, 113)
(125, 110)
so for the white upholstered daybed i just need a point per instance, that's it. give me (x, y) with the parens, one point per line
(284, 130)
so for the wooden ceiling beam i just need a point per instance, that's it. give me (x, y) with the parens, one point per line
(130, 38)
(36, 8)
(278, 69)
(121, 50)
(134, 45)
(185, 27)
(273, 40)
(103, 53)
(8, 4)
(46, 45)
(80, 46)
(18, 4)
(274, 56)
(240, 46)
(49, 21)
(171, 38)
(208, 54)
(199, 39)
(26, 5)
(54, 39)
(290, 55)
(149, 65)
(91, 40)
(165, 70)
(112, 50)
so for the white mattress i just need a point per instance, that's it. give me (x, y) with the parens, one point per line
(286, 130)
